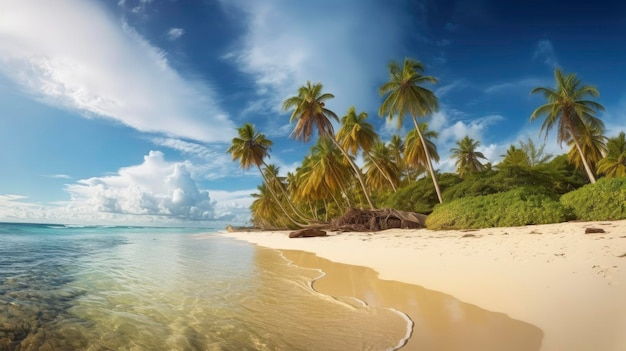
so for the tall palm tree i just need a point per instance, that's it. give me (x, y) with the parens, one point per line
(569, 109)
(310, 112)
(418, 145)
(614, 164)
(467, 158)
(406, 95)
(250, 148)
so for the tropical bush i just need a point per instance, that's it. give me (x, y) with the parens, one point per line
(516, 207)
(604, 200)
(418, 196)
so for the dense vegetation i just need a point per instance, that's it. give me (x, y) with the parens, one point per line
(526, 186)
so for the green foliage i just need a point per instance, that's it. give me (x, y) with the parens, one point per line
(604, 200)
(517, 207)
(419, 196)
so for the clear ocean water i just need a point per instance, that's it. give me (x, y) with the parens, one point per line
(137, 288)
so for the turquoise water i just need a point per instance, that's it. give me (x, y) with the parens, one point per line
(137, 288)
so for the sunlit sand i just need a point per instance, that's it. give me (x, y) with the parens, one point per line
(570, 285)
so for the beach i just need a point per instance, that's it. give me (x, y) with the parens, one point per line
(569, 284)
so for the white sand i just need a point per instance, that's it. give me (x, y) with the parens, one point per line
(570, 284)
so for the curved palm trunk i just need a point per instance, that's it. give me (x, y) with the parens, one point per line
(393, 186)
(356, 170)
(590, 175)
(269, 187)
(293, 208)
(430, 164)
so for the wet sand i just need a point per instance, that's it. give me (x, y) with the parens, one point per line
(569, 284)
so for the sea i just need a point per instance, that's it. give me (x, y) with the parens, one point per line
(67, 287)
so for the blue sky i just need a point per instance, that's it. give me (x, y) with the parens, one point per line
(120, 111)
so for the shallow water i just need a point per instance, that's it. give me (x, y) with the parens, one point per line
(99, 288)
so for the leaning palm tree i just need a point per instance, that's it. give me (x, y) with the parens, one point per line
(250, 148)
(593, 144)
(381, 169)
(467, 158)
(569, 109)
(614, 164)
(406, 95)
(310, 112)
(417, 145)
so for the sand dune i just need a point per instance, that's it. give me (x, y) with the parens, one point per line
(570, 284)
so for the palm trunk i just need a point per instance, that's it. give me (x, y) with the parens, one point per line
(590, 175)
(356, 170)
(430, 164)
(269, 187)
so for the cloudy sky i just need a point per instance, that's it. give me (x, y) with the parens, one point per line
(120, 111)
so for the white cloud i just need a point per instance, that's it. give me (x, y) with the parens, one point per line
(175, 33)
(545, 52)
(155, 187)
(73, 54)
(281, 51)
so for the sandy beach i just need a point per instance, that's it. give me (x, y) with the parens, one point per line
(569, 284)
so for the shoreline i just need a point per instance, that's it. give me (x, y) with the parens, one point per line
(569, 284)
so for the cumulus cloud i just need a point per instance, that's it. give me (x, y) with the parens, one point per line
(73, 54)
(155, 187)
(175, 33)
(544, 51)
(281, 51)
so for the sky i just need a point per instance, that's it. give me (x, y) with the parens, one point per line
(121, 111)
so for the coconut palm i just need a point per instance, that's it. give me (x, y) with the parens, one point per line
(593, 145)
(467, 158)
(614, 164)
(418, 143)
(310, 112)
(406, 95)
(250, 148)
(515, 157)
(356, 133)
(381, 168)
(569, 109)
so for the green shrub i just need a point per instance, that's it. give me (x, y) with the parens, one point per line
(604, 200)
(418, 196)
(516, 207)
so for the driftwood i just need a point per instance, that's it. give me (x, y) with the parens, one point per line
(355, 220)
(307, 233)
(594, 230)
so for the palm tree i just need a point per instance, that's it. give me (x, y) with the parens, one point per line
(515, 157)
(569, 109)
(593, 145)
(323, 173)
(310, 112)
(467, 158)
(356, 133)
(418, 143)
(614, 164)
(250, 148)
(381, 169)
(406, 95)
